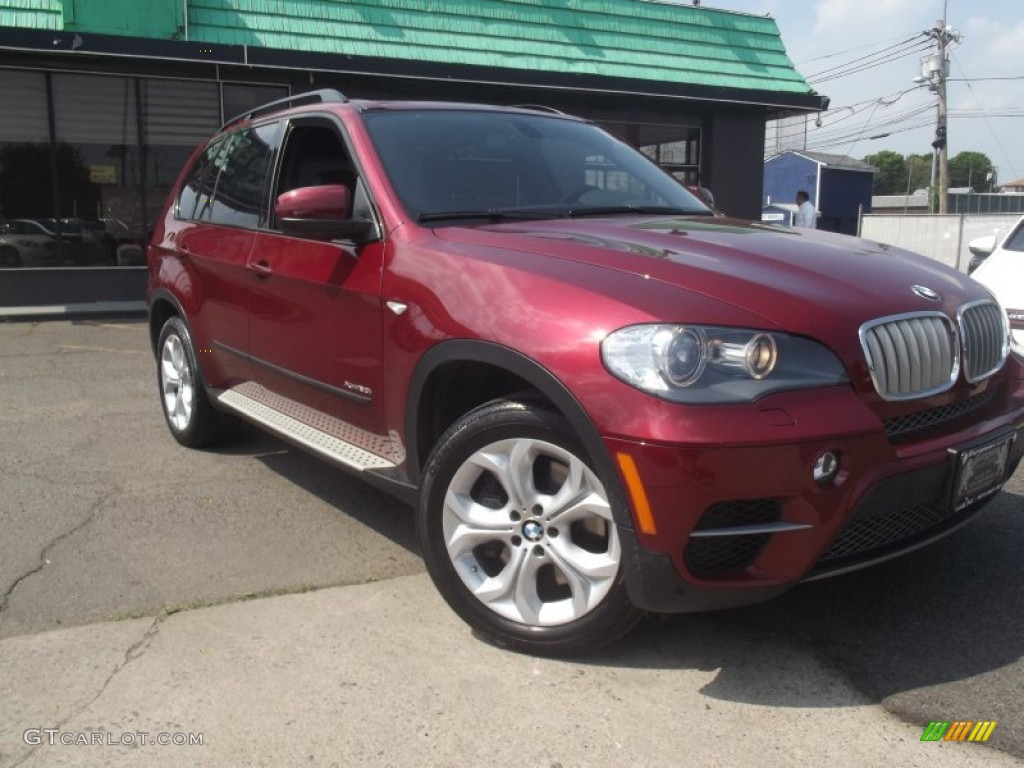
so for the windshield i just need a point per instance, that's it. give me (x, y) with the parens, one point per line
(461, 164)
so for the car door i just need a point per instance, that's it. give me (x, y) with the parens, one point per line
(222, 203)
(315, 311)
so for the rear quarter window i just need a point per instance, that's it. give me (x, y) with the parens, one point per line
(227, 183)
(240, 197)
(197, 190)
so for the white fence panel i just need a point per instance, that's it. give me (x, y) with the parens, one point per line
(943, 238)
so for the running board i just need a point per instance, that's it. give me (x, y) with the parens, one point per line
(303, 435)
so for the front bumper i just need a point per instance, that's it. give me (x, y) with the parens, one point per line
(763, 524)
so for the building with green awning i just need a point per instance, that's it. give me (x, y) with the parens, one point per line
(106, 98)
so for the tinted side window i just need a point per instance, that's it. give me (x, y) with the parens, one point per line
(240, 199)
(199, 183)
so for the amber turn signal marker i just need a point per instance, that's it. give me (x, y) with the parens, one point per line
(642, 508)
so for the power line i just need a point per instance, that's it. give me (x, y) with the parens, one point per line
(878, 58)
(830, 119)
(839, 142)
(851, 50)
(973, 113)
(981, 109)
(979, 79)
(873, 54)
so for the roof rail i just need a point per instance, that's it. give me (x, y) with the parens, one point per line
(539, 108)
(325, 95)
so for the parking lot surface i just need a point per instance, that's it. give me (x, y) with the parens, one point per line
(119, 538)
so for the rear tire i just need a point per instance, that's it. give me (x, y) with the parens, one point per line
(193, 421)
(518, 533)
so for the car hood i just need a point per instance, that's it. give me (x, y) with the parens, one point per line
(795, 279)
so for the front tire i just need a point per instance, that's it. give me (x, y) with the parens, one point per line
(518, 533)
(191, 418)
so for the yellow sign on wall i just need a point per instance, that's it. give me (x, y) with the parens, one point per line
(103, 174)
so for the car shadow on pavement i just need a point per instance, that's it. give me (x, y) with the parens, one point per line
(950, 611)
(349, 495)
(932, 619)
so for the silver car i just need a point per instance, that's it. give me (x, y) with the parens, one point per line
(27, 243)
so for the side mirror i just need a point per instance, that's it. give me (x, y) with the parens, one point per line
(321, 212)
(982, 246)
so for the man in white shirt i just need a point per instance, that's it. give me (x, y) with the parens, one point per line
(806, 216)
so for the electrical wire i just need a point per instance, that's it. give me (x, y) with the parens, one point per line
(851, 50)
(979, 79)
(833, 116)
(981, 109)
(880, 52)
(902, 50)
(816, 146)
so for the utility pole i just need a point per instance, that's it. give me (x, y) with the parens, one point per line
(935, 71)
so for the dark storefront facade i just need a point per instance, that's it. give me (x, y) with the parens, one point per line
(107, 98)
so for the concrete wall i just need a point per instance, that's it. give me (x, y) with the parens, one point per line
(944, 238)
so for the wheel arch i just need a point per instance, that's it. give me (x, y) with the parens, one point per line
(163, 305)
(429, 412)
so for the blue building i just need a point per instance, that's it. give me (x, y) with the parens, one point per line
(837, 185)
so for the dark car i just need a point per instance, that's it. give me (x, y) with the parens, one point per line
(602, 398)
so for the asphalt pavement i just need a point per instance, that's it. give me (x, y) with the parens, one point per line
(278, 609)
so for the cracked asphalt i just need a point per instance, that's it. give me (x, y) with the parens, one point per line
(110, 530)
(105, 516)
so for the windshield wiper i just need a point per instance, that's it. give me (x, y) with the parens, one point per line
(605, 210)
(490, 214)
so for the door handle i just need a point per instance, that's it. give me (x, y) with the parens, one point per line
(261, 268)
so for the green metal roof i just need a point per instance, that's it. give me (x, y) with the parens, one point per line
(631, 39)
(34, 14)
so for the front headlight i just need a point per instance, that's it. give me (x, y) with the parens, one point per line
(706, 364)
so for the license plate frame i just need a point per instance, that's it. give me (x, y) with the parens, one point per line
(980, 471)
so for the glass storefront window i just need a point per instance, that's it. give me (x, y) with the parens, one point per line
(26, 179)
(98, 164)
(178, 116)
(90, 197)
(239, 97)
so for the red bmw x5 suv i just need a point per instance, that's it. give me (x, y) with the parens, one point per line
(602, 398)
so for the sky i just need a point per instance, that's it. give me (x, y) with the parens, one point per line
(986, 115)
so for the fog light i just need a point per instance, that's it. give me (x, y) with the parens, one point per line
(826, 467)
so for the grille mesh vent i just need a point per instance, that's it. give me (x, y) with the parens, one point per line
(709, 557)
(900, 427)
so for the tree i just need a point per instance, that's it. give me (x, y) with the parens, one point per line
(891, 176)
(919, 171)
(970, 169)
